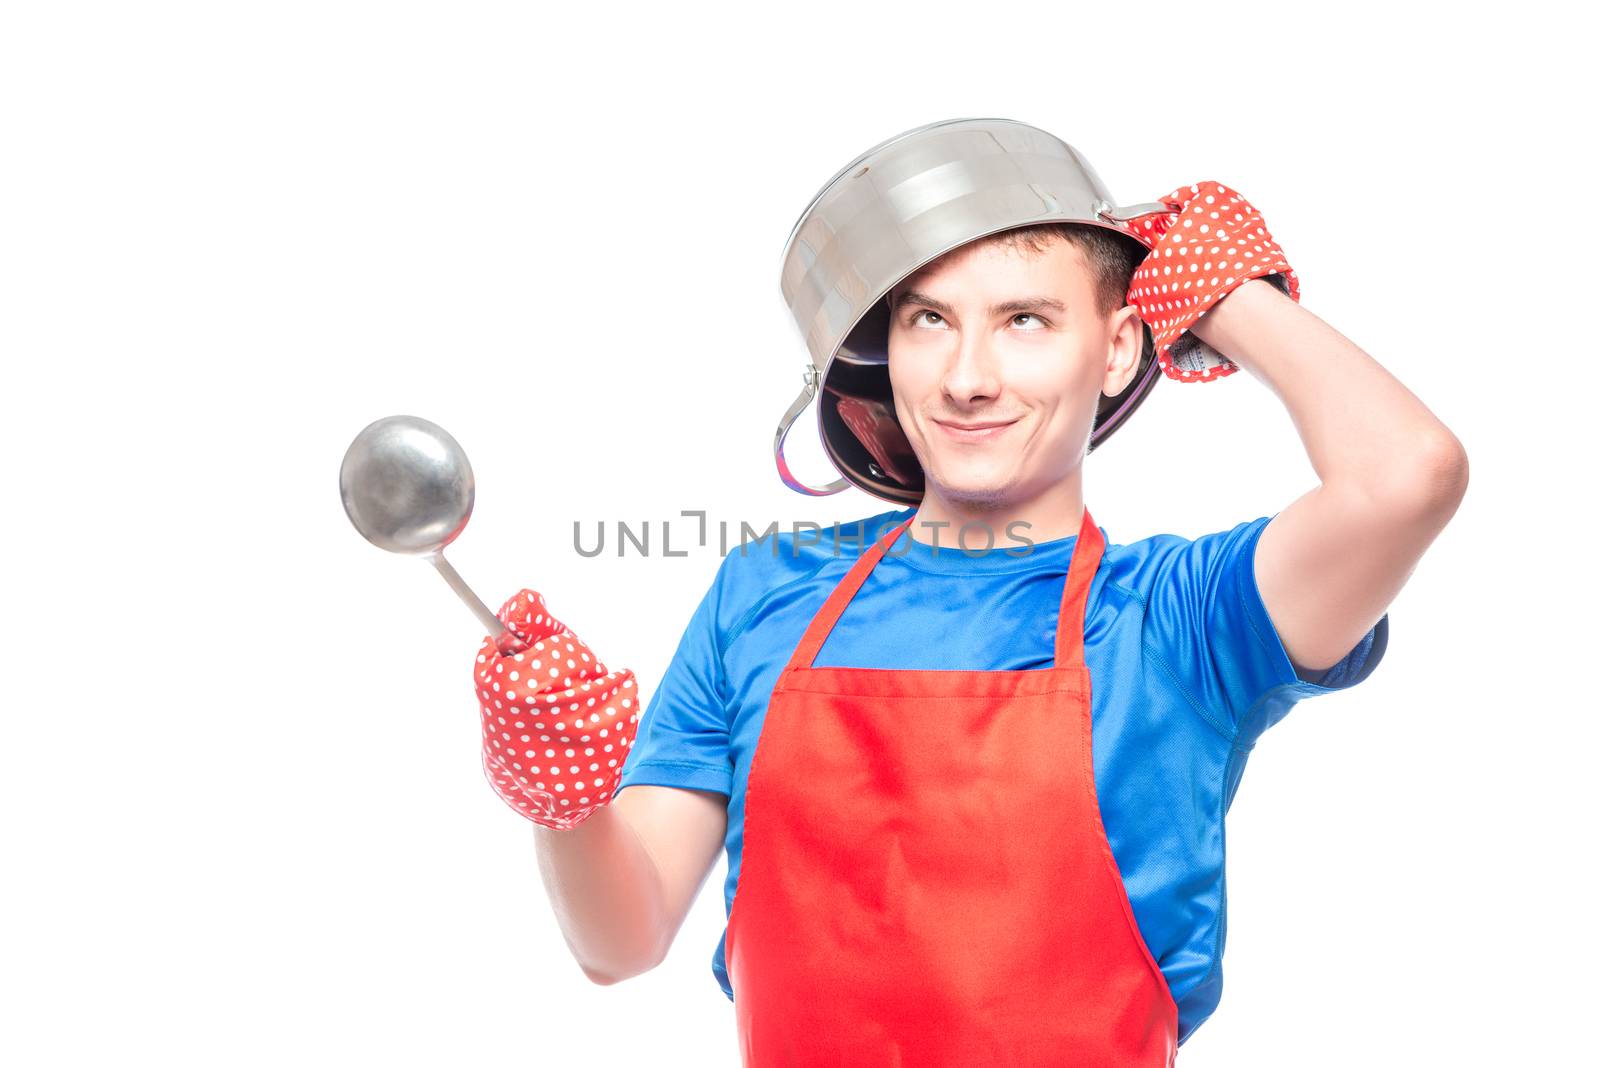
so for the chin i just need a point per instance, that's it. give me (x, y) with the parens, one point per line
(975, 486)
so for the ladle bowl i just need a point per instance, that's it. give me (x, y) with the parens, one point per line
(407, 488)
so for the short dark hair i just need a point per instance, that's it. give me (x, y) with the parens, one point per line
(1112, 257)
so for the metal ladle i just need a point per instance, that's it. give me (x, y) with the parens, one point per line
(407, 488)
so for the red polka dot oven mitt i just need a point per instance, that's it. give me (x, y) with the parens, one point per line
(557, 726)
(1215, 242)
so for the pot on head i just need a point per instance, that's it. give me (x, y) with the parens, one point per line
(895, 208)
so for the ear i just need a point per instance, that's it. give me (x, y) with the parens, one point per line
(1123, 349)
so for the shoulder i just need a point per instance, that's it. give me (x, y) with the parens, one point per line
(1145, 567)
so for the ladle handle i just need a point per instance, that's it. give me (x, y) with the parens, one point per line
(506, 641)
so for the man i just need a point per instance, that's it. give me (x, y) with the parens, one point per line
(962, 846)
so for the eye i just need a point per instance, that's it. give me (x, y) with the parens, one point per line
(1029, 315)
(916, 315)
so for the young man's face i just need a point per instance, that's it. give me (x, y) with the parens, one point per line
(992, 335)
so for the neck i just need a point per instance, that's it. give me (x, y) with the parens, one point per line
(1056, 512)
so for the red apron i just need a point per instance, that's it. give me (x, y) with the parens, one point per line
(925, 878)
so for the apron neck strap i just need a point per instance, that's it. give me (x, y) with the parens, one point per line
(1086, 552)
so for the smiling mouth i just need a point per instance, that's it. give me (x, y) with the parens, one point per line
(974, 431)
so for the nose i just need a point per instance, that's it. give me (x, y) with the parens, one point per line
(972, 376)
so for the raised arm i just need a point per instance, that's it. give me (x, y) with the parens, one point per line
(1392, 475)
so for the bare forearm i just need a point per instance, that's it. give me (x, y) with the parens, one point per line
(1360, 426)
(606, 892)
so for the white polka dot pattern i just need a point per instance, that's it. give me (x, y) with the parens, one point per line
(1215, 244)
(557, 726)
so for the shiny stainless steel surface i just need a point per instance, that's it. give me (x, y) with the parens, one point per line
(407, 487)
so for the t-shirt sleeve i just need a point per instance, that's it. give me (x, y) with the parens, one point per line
(1206, 619)
(682, 739)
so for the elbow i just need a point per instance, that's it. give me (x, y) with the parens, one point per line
(612, 978)
(599, 978)
(1431, 480)
(1443, 473)
(608, 978)
(617, 973)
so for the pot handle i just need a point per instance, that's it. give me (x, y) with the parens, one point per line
(799, 405)
(1107, 210)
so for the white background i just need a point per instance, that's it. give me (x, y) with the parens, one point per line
(245, 820)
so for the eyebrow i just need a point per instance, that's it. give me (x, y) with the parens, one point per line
(1026, 304)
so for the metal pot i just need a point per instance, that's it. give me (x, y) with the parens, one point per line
(889, 212)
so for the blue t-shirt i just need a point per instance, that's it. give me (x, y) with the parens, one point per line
(1187, 672)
